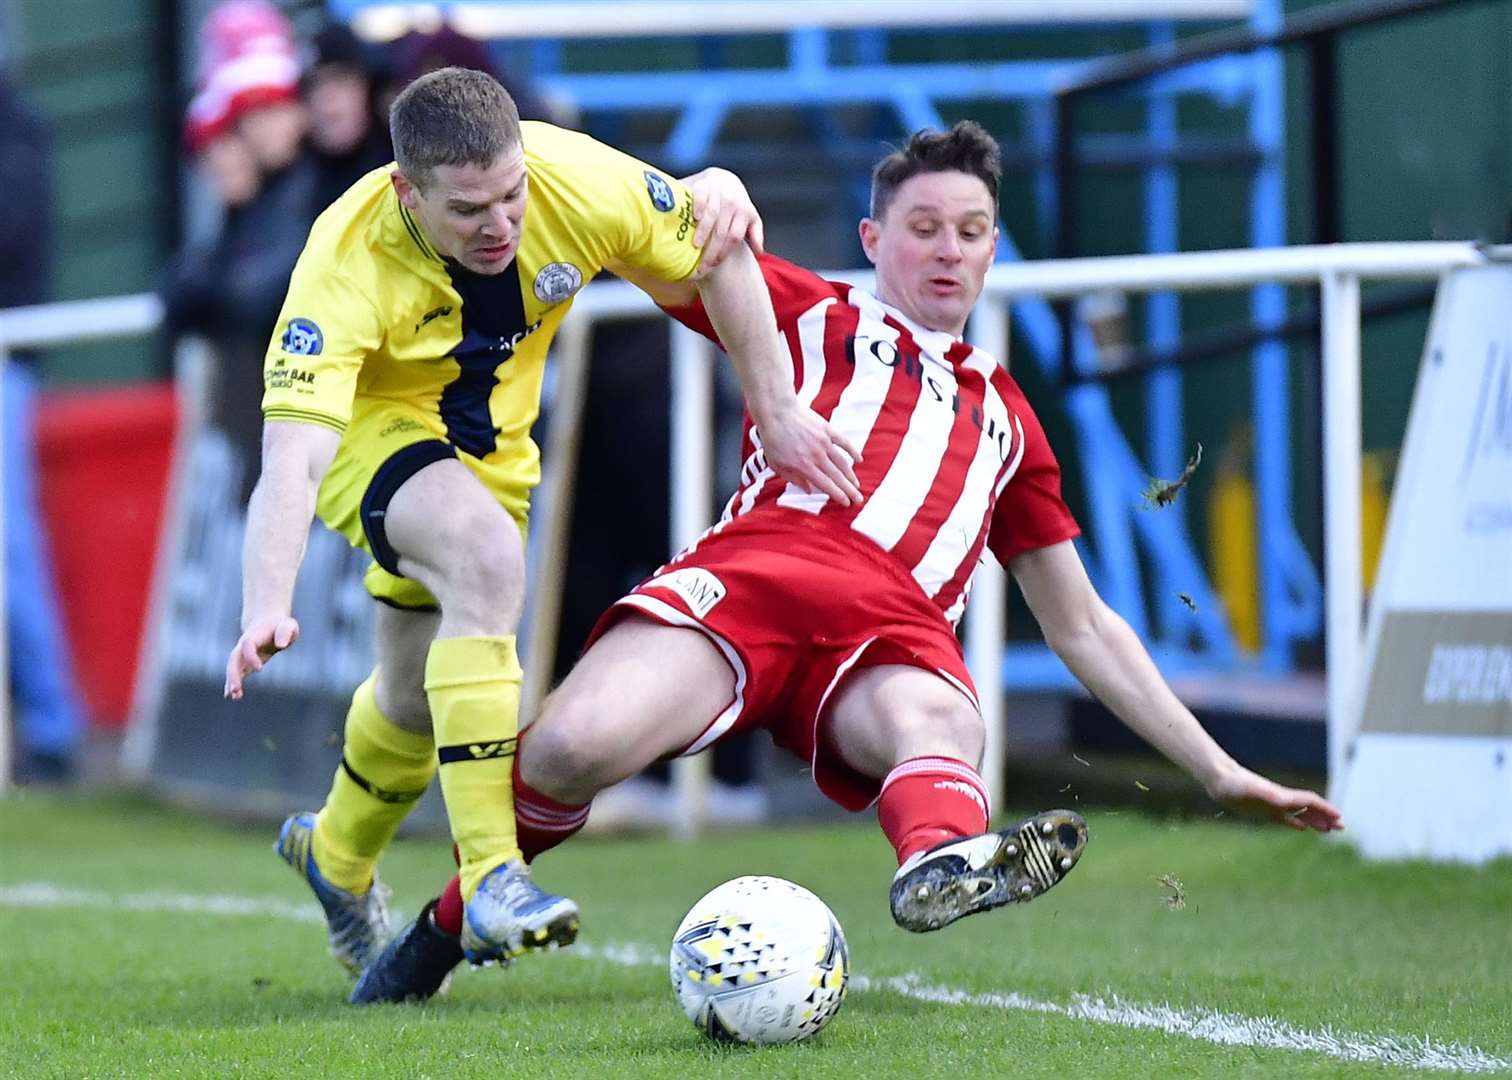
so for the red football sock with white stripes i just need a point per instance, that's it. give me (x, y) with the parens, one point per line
(926, 801)
(540, 821)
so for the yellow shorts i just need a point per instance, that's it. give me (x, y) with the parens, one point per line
(385, 443)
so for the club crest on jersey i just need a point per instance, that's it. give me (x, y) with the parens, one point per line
(557, 281)
(660, 191)
(699, 589)
(303, 338)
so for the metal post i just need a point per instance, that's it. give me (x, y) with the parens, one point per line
(1039, 121)
(1164, 397)
(1323, 79)
(987, 613)
(6, 729)
(692, 464)
(1163, 393)
(168, 62)
(1270, 377)
(1341, 504)
(1064, 243)
(691, 480)
(192, 366)
(543, 620)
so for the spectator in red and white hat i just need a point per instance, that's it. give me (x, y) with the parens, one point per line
(238, 28)
(246, 128)
(249, 78)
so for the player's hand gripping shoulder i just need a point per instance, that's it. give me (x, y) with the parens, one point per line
(725, 214)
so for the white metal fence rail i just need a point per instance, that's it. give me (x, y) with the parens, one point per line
(1337, 270)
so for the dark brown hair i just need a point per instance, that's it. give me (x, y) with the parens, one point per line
(452, 116)
(964, 148)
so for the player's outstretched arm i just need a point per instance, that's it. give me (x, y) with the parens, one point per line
(295, 458)
(1107, 656)
(800, 446)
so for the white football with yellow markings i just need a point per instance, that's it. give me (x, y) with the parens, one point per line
(759, 960)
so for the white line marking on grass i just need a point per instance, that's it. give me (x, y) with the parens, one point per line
(1204, 1025)
(1209, 1025)
(41, 894)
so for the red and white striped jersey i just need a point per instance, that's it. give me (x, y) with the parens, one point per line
(953, 458)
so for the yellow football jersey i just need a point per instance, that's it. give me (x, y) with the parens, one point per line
(374, 314)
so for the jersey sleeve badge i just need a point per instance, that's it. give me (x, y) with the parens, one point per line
(660, 192)
(302, 338)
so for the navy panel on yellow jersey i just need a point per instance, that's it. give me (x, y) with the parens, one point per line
(385, 341)
(493, 318)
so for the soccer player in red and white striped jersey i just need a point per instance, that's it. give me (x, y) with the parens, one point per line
(943, 431)
(831, 626)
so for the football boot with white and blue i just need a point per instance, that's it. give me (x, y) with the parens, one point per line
(962, 877)
(511, 914)
(357, 924)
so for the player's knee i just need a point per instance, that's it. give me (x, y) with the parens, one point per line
(963, 733)
(938, 727)
(482, 558)
(569, 749)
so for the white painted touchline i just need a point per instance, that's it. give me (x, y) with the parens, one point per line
(1208, 1025)
(42, 894)
(1205, 1025)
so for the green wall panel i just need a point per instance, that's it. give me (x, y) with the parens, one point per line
(87, 65)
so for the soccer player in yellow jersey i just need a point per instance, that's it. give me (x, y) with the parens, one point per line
(400, 387)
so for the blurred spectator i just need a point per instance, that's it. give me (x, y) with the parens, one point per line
(417, 53)
(50, 719)
(340, 89)
(231, 169)
(246, 128)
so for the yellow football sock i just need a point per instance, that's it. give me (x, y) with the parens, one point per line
(474, 688)
(383, 772)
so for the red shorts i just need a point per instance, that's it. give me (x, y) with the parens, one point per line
(796, 604)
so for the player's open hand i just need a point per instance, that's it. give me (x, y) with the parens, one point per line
(725, 214)
(1255, 796)
(259, 641)
(804, 449)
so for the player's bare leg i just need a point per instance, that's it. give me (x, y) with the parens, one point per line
(404, 637)
(923, 738)
(387, 761)
(451, 534)
(642, 692)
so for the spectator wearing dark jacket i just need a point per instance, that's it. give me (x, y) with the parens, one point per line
(229, 289)
(339, 90)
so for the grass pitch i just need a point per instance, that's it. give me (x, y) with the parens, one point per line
(112, 966)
